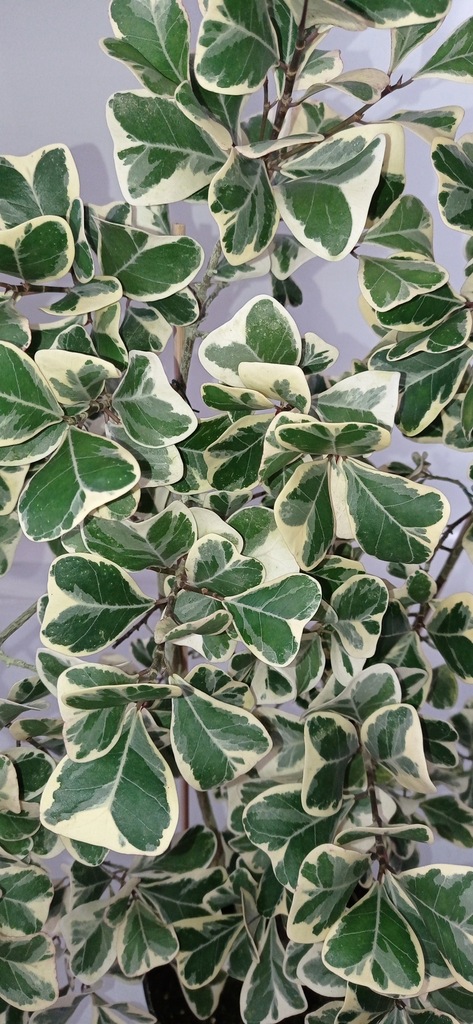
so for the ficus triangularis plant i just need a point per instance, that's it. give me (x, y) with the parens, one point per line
(258, 658)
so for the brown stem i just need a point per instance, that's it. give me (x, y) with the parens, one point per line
(381, 851)
(454, 555)
(201, 293)
(291, 74)
(358, 114)
(179, 332)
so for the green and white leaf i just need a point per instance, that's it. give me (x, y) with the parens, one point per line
(86, 471)
(148, 266)
(454, 58)
(261, 331)
(204, 945)
(145, 330)
(27, 405)
(12, 479)
(406, 226)
(242, 201)
(366, 84)
(160, 154)
(158, 31)
(27, 972)
(26, 896)
(318, 67)
(85, 298)
(77, 619)
(263, 540)
(287, 255)
(451, 630)
(267, 988)
(331, 742)
(44, 182)
(214, 742)
(214, 564)
(453, 162)
(390, 14)
(285, 384)
(236, 46)
(360, 603)
(372, 945)
(367, 397)
(233, 462)
(14, 327)
(393, 738)
(404, 40)
(391, 517)
(160, 540)
(315, 438)
(143, 941)
(304, 515)
(385, 283)
(429, 124)
(152, 413)
(326, 198)
(90, 939)
(260, 617)
(326, 881)
(79, 796)
(75, 379)
(38, 251)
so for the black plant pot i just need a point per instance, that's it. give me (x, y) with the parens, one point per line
(165, 999)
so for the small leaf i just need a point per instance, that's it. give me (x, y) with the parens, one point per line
(148, 266)
(213, 564)
(451, 629)
(27, 404)
(453, 59)
(236, 47)
(143, 941)
(267, 989)
(44, 182)
(242, 202)
(262, 331)
(27, 976)
(204, 944)
(256, 612)
(326, 881)
(152, 412)
(304, 514)
(38, 251)
(386, 283)
(331, 742)
(393, 738)
(453, 162)
(159, 32)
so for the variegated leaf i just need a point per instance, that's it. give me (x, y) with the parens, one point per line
(331, 742)
(152, 412)
(393, 738)
(236, 46)
(327, 878)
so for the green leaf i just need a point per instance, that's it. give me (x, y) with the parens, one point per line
(143, 941)
(432, 380)
(374, 946)
(214, 564)
(451, 818)
(130, 791)
(204, 944)
(152, 412)
(159, 466)
(158, 541)
(451, 630)
(315, 438)
(161, 154)
(38, 251)
(144, 330)
(179, 895)
(261, 331)
(256, 612)
(268, 993)
(406, 226)
(442, 895)
(392, 518)
(214, 742)
(393, 738)
(404, 40)
(326, 198)
(13, 326)
(389, 13)
(454, 58)
(83, 265)
(27, 975)
(234, 461)
(90, 939)
(327, 878)
(181, 309)
(360, 604)
(242, 202)
(304, 514)
(85, 298)
(429, 124)
(26, 896)
(453, 162)
(27, 405)
(386, 283)
(44, 182)
(422, 311)
(331, 742)
(148, 266)
(453, 1000)
(276, 823)
(262, 539)
(236, 46)
(158, 31)
(77, 379)
(91, 602)
(86, 471)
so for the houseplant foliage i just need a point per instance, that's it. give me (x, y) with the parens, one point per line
(269, 667)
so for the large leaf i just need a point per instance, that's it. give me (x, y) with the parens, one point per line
(261, 331)
(91, 602)
(391, 517)
(38, 251)
(236, 46)
(454, 58)
(214, 742)
(90, 939)
(326, 880)
(44, 182)
(261, 616)
(85, 472)
(143, 941)
(393, 737)
(268, 992)
(158, 31)
(242, 202)
(373, 946)
(392, 13)
(387, 282)
(326, 196)
(360, 603)
(234, 461)
(148, 266)
(152, 412)
(204, 944)
(28, 975)
(304, 515)
(26, 896)
(158, 541)
(126, 799)
(406, 226)
(451, 629)
(453, 162)
(331, 742)
(276, 822)
(161, 154)
(27, 404)
(442, 895)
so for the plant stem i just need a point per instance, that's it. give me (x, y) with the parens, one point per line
(208, 817)
(291, 75)
(17, 623)
(179, 332)
(16, 662)
(451, 480)
(201, 293)
(454, 555)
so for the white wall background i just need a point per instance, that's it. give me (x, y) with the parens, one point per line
(54, 84)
